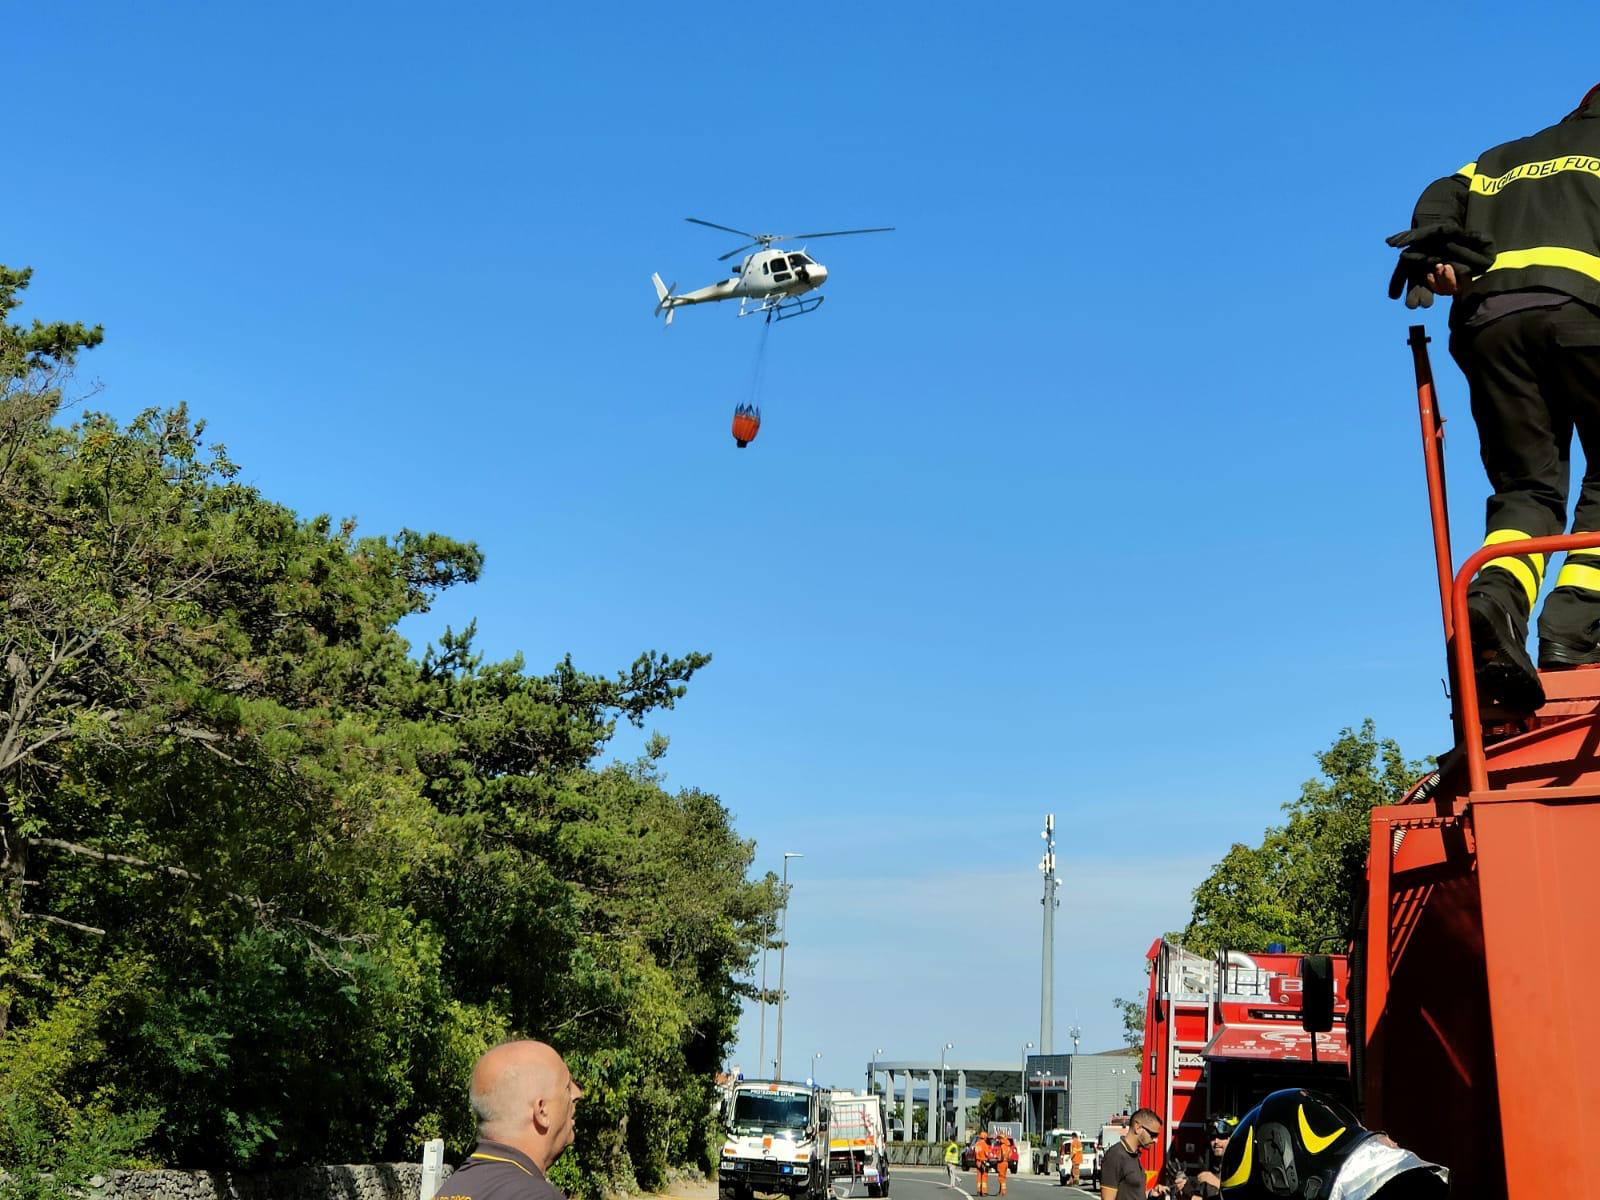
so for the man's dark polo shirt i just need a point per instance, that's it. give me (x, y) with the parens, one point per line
(496, 1172)
(1119, 1168)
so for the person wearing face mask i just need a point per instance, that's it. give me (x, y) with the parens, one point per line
(526, 1101)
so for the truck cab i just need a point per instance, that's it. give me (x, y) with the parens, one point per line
(775, 1140)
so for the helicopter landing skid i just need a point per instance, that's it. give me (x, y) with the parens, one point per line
(782, 310)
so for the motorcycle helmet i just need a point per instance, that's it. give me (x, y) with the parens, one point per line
(1298, 1144)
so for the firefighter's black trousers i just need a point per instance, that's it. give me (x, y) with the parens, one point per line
(1535, 377)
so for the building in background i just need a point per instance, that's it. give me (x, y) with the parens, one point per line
(1080, 1091)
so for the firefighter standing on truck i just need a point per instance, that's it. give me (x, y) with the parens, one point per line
(1514, 237)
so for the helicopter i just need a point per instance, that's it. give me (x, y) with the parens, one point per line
(773, 283)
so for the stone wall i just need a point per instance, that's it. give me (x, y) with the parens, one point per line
(384, 1181)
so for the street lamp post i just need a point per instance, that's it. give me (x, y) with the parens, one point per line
(1026, 1046)
(766, 942)
(948, 1046)
(783, 945)
(872, 1071)
(814, 1058)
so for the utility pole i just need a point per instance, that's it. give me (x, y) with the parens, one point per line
(783, 945)
(1047, 969)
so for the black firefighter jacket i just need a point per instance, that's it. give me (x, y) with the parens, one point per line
(1538, 200)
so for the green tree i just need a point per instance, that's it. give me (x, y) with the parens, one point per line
(310, 874)
(1298, 886)
(1132, 1014)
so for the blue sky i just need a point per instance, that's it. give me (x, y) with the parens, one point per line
(1093, 489)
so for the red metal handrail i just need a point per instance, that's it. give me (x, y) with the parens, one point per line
(1471, 733)
(1433, 463)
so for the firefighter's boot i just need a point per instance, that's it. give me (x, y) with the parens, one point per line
(1569, 627)
(1505, 673)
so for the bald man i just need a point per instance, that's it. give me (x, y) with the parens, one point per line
(525, 1100)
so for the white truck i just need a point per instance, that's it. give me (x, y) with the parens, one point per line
(1089, 1169)
(857, 1149)
(775, 1140)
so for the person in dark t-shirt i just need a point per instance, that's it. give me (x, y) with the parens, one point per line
(1121, 1173)
(525, 1100)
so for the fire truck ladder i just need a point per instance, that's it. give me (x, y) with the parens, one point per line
(1191, 990)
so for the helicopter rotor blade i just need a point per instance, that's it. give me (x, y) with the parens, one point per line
(724, 228)
(838, 233)
(740, 250)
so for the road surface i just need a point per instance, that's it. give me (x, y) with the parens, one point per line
(927, 1183)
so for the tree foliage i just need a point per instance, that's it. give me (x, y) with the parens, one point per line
(1132, 1014)
(269, 882)
(1297, 887)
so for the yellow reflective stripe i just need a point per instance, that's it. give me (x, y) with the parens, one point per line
(1469, 170)
(1579, 576)
(1548, 256)
(1242, 1176)
(497, 1158)
(1489, 185)
(1521, 571)
(1313, 1142)
(1529, 578)
(1500, 537)
(1592, 552)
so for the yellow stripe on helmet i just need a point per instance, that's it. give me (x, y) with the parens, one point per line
(1314, 1143)
(1242, 1175)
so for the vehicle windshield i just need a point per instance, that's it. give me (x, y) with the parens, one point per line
(757, 1113)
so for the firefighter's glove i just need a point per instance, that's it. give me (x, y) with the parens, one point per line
(1424, 248)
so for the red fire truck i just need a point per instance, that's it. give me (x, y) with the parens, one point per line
(1221, 1032)
(1473, 954)
(1478, 946)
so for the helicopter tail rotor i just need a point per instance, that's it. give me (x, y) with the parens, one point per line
(666, 299)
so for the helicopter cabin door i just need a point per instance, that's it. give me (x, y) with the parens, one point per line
(775, 270)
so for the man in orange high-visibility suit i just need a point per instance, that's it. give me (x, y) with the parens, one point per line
(980, 1162)
(1077, 1158)
(1002, 1158)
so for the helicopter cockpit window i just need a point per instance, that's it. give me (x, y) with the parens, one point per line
(766, 267)
(798, 260)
